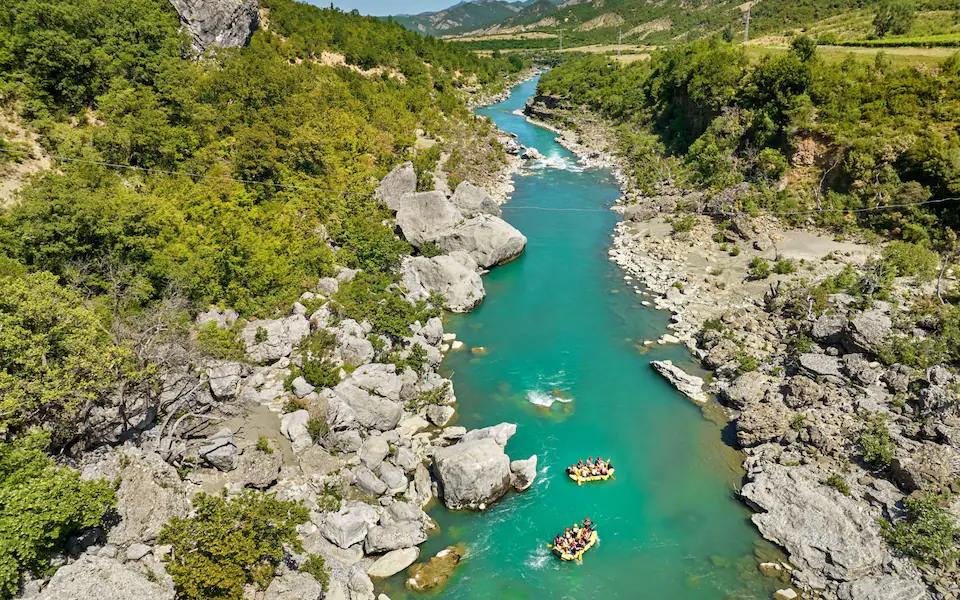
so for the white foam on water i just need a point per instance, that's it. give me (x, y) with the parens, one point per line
(540, 558)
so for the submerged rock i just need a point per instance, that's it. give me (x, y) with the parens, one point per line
(690, 386)
(435, 572)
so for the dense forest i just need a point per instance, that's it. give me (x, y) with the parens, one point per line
(237, 179)
(801, 132)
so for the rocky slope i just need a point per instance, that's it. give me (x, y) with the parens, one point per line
(366, 455)
(801, 391)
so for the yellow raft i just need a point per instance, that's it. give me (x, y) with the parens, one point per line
(581, 480)
(579, 555)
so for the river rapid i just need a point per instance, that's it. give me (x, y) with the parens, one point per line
(562, 332)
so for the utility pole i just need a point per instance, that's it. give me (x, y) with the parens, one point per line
(561, 40)
(746, 29)
(619, 40)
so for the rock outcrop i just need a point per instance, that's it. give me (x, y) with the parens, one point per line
(426, 217)
(490, 240)
(453, 276)
(99, 578)
(823, 533)
(472, 200)
(400, 181)
(690, 386)
(218, 23)
(473, 474)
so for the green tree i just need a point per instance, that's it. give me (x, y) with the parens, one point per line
(55, 359)
(894, 17)
(41, 505)
(227, 544)
(929, 533)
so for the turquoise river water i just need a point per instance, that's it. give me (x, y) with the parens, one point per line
(562, 319)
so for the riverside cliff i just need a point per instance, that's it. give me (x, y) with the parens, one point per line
(840, 439)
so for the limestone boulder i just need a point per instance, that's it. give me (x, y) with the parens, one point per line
(690, 386)
(500, 433)
(823, 533)
(828, 329)
(379, 379)
(472, 200)
(373, 450)
(472, 473)
(490, 240)
(368, 482)
(259, 469)
(393, 562)
(820, 365)
(371, 411)
(523, 473)
(224, 377)
(100, 578)
(746, 389)
(294, 426)
(272, 339)
(882, 587)
(349, 525)
(868, 332)
(928, 465)
(400, 181)
(452, 276)
(426, 217)
(293, 585)
(382, 539)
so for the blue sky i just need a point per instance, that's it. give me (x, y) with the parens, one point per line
(388, 7)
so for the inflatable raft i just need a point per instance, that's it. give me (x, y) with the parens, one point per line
(579, 555)
(581, 480)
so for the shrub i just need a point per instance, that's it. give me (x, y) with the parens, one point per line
(911, 260)
(317, 428)
(929, 532)
(227, 544)
(220, 343)
(838, 483)
(759, 268)
(263, 445)
(875, 441)
(735, 251)
(322, 373)
(41, 504)
(430, 249)
(261, 335)
(416, 358)
(798, 422)
(715, 324)
(784, 267)
(436, 396)
(292, 404)
(747, 363)
(316, 567)
(684, 224)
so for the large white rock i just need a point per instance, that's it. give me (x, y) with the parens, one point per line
(349, 526)
(379, 379)
(523, 473)
(426, 217)
(225, 377)
(220, 23)
(689, 385)
(98, 578)
(472, 473)
(382, 539)
(294, 586)
(452, 276)
(372, 412)
(393, 562)
(500, 433)
(490, 240)
(472, 200)
(294, 426)
(272, 339)
(400, 181)
(822, 532)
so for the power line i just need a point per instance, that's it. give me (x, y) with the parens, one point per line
(721, 213)
(197, 176)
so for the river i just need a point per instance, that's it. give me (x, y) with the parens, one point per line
(561, 319)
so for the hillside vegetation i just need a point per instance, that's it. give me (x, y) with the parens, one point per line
(845, 135)
(848, 22)
(238, 180)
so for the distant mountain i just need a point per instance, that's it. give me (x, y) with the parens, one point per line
(468, 16)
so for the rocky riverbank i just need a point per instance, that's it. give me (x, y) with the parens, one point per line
(804, 377)
(358, 427)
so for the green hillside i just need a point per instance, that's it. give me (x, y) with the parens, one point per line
(460, 17)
